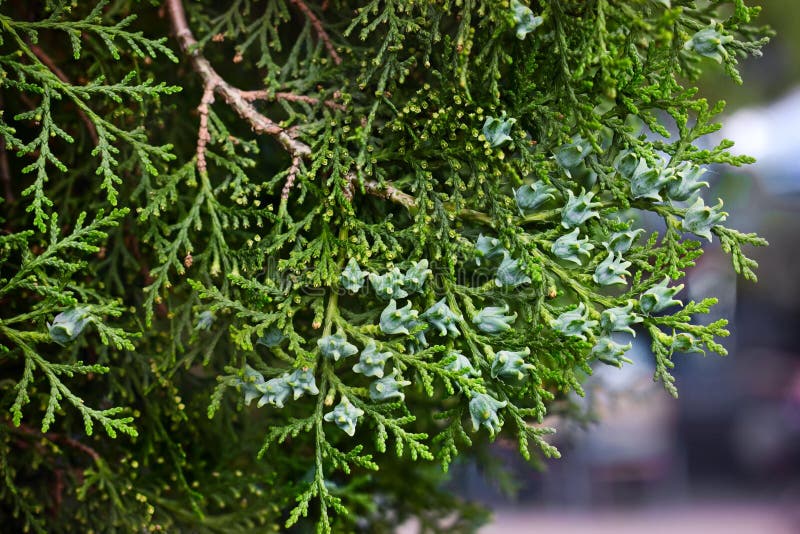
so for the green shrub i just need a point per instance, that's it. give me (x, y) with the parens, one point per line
(279, 263)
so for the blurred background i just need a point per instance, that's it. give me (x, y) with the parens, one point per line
(725, 456)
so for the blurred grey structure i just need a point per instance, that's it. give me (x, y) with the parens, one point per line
(724, 457)
(770, 134)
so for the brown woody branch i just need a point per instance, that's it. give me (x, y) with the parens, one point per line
(390, 192)
(233, 96)
(203, 136)
(48, 62)
(241, 100)
(321, 33)
(54, 437)
(291, 97)
(5, 174)
(5, 168)
(293, 170)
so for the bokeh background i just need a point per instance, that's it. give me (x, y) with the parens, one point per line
(725, 456)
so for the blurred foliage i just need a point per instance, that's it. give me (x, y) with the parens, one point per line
(768, 77)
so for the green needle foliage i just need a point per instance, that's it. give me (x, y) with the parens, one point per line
(295, 257)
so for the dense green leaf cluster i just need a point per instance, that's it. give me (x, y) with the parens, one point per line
(394, 224)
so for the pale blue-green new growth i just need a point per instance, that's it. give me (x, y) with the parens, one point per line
(271, 338)
(524, 19)
(621, 242)
(415, 276)
(511, 273)
(647, 182)
(371, 361)
(700, 219)
(274, 391)
(610, 352)
(442, 318)
(687, 181)
(398, 321)
(390, 285)
(493, 319)
(352, 278)
(626, 163)
(388, 388)
(511, 365)
(578, 209)
(574, 323)
(686, 343)
(531, 196)
(659, 297)
(68, 325)
(488, 248)
(570, 155)
(205, 320)
(612, 270)
(336, 346)
(568, 247)
(249, 384)
(619, 319)
(496, 130)
(417, 342)
(483, 411)
(709, 42)
(302, 381)
(461, 364)
(345, 415)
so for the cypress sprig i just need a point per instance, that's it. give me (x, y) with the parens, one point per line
(336, 245)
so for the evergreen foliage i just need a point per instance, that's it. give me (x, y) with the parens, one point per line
(404, 228)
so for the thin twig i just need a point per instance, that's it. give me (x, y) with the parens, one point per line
(203, 136)
(132, 244)
(50, 64)
(263, 94)
(54, 437)
(389, 192)
(5, 168)
(241, 100)
(5, 174)
(58, 491)
(212, 81)
(321, 33)
(293, 170)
